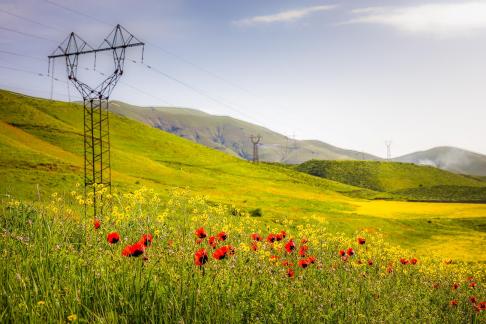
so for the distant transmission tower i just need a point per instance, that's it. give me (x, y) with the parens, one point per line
(388, 150)
(97, 171)
(255, 141)
(285, 150)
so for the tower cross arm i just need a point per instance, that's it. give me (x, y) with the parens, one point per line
(96, 50)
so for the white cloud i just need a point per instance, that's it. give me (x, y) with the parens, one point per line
(284, 16)
(443, 20)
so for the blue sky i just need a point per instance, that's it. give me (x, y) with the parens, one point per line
(351, 73)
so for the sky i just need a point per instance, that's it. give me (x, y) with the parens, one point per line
(352, 73)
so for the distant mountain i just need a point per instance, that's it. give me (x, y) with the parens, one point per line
(231, 135)
(449, 158)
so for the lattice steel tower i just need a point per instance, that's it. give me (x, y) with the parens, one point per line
(97, 170)
(255, 140)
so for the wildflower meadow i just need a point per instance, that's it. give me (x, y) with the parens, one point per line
(182, 258)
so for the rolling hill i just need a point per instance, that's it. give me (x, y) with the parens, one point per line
(449, 158)
(406, 180)
(41, 151)
(231, 135)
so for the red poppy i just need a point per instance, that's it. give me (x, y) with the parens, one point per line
(290, 273)
(290, 246)
(271, 238)
(138, 249)
(222, 236)
(113, 238)
(370, 262)
(455, 286)
(212, 241)
(404, 261)
(481, 306)
(303, 263)
(287, 263)
(146, 239)
(303, 250)
(473, 300)
(350, 252)
(254, 246)
(256, 237)
(470, 278)
(311, 260)
(134, 250)
(413, 261)
(361, 240)
(304, 240)
(453, 302)
(342, 252)
(200, 233)
(221, 253)
(199, 241)
(280, 236)
(127, 251)
(473, 285)
(200, 257)
(96, 223)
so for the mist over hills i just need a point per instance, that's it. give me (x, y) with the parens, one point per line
(231, 135)
(449, 158)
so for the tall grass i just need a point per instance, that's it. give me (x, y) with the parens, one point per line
(56, 267)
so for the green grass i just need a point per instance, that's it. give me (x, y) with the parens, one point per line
(56, 267)
(405, 180)
(41, 152)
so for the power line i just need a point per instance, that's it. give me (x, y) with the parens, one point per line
(76, 12)
(29, 72)
(23, 55)
(131, 86)
(198, 91)
(6, 85)
(182, 59)
(160, 48)
(87, 69)
(26, 34)
(28, 19)
(185, 84)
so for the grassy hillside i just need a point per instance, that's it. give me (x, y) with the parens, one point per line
(42, 145)
(41, 151)
(404, 179)
(231, 135)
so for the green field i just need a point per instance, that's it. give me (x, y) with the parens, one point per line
(41, 152)
(56, 267)
(403, 180)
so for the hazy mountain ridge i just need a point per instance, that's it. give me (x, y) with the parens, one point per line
(449, 158)
(231, 135)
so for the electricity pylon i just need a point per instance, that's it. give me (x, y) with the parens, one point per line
(255, 140)
(97, 170)
(388, 150)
